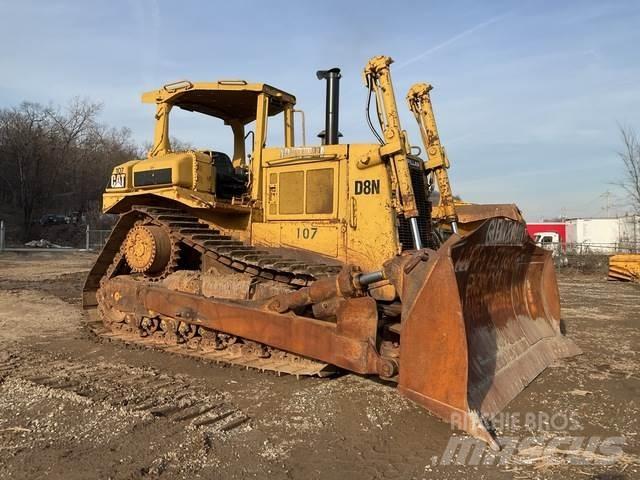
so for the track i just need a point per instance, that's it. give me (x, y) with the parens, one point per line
(278, 362)
(191, 235)
(209, 242)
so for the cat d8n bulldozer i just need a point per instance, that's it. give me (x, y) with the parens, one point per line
(307, 259)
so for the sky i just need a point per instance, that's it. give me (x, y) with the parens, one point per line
(529, 95)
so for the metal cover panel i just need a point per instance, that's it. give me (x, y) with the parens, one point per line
(161, 176)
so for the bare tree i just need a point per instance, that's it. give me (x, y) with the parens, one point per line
(24, 139)
(56, 160)
(631, 160)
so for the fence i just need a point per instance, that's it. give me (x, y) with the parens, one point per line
(590, 248)
(587, 248)
(94, 239)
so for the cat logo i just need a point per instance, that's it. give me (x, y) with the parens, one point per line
(118, 180)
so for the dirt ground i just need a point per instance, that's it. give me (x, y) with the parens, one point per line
(75, 407)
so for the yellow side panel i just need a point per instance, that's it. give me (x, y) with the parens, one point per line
(371, 234)
(322, 202)
(320, 237)
(265, 234)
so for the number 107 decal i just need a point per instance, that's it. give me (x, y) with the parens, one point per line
(307, 233)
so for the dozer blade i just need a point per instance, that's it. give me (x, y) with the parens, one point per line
(625, 268)
(481, 319)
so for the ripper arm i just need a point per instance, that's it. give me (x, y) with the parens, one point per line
(438, 163)
(394, 145)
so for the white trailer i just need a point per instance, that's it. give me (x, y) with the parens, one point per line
(603, 235)
(629, 238)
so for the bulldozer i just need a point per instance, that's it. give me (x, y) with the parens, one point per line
(314, 259)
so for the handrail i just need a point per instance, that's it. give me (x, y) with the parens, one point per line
(232, 82)
(176, 86)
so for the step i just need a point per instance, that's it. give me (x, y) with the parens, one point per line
(209, 236)
(268, 260)
(192, 231)
(287, 264)
(221, 243)
(228, 249)
(177, 217)
(181, 225)
(248, 255)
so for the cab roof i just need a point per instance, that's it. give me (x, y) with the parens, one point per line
(225, 99)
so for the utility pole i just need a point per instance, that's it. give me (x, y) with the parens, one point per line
(607, 202)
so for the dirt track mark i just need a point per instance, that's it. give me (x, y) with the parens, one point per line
(143, 390)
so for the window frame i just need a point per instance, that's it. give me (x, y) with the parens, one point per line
(305, 167)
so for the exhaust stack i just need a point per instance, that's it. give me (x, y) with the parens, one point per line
(332, 77)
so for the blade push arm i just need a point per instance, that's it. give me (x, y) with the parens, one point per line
(438, 163)
(394, 143)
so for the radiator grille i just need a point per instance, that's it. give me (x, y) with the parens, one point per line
(424, 210)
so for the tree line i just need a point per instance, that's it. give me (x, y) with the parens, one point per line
(57, 160)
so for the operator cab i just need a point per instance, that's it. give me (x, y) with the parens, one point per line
(237, 103)
(203, 178)
(229, 181)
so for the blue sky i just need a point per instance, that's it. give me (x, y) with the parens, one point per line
(528, 94)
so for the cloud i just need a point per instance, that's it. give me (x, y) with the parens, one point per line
(455, 38)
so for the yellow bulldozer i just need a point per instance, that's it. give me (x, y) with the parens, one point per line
(307, 259)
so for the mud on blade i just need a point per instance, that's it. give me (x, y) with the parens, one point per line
(481, 320)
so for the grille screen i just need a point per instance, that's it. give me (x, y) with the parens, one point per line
(320, 191)
(424, 209)
(291, 192)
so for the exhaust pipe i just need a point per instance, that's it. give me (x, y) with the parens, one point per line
(332, 77)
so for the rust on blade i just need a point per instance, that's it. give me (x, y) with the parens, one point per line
(481, 319)
(511, 309)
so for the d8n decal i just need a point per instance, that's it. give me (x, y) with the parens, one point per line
(367, 187)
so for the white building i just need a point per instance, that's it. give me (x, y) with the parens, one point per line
(604, 235)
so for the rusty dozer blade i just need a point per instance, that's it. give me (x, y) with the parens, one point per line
(480, 320)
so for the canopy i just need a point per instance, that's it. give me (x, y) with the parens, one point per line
(226, 99)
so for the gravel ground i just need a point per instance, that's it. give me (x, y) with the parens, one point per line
(75, 407)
